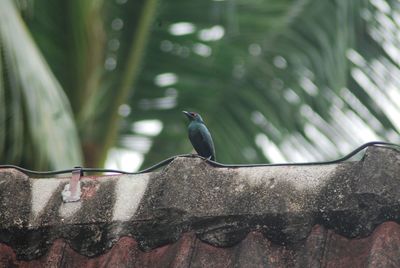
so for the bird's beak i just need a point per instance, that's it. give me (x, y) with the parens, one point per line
(188, 114)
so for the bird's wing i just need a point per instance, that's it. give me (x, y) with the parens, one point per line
(206, 145)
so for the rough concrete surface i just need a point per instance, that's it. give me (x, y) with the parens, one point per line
(219, 206)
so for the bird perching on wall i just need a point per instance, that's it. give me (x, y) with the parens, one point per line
(199, 136)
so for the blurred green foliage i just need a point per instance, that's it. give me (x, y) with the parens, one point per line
(275, 80)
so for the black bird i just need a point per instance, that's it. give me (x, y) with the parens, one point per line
(199, 136)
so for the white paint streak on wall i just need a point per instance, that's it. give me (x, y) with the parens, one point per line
(68, 210)
(301, 177)
(42, 190)
(129, 191)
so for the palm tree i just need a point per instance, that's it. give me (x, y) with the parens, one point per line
(274, 80)
(57, 120)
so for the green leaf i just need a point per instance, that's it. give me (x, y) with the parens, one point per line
(38, 112)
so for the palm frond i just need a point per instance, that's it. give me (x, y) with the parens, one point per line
(285, 69)
(38, 118)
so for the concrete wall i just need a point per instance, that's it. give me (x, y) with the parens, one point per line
(190, 207)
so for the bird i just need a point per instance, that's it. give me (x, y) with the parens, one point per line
(200, 136)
